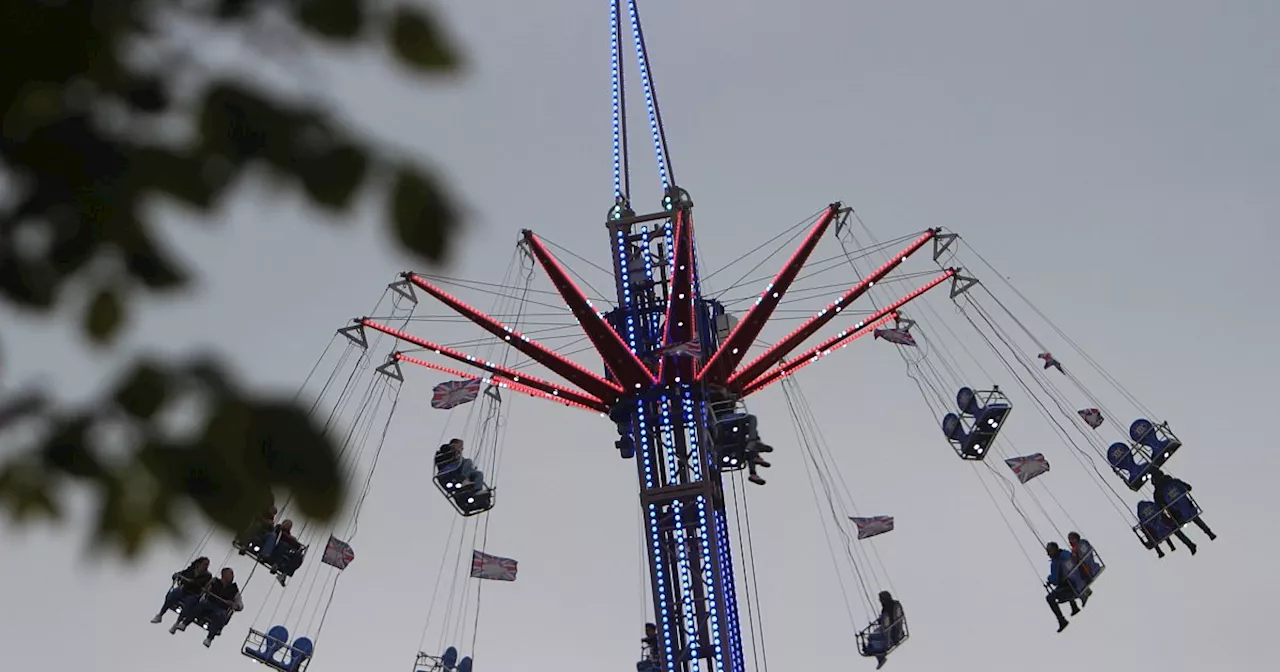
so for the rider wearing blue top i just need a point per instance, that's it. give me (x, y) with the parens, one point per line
(1064, 583)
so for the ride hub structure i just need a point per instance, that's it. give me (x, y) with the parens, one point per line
(674, 376)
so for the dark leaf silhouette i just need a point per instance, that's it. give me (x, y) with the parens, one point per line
(103, 316)
(87, 147)
(422, 214)
(420, 43)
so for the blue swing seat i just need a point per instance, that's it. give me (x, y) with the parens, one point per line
(981, 417)
(272, 649)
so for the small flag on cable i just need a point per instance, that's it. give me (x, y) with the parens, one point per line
(1028, 467)
(1091, 417)
(337, 553)
(897, 335)
(870, 527)
(452, 393)
(492, 567)
(690, 349)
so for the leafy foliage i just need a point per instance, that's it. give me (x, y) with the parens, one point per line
(81, 156)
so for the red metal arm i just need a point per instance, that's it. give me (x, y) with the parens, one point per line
(678, 326)
(624, 364)
(782, 348)
(845, 337)
(491, 367)
(589, 382)
(503, 383)
(734, 348)
(834, 343)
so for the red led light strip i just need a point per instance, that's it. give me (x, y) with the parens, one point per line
(735, 347)
(588, 381)
(835, 342)
(621, 361)
(501, 382)
(780, 349)
(494, 368)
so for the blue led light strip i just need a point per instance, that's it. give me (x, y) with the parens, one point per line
(737, 661)
(664, 611)
(649, 97)
(616, 67)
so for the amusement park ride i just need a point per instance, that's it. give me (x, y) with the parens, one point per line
(675, 374)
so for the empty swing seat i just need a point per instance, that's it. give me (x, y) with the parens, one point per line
(876, 640)
(472, 502)
(1156, 438)
(271, 649)
(981, 417)
(1129, 464)
(446, 662)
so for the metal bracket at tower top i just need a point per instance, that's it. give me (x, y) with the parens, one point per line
(961, 284)
(629, 219)
(493, 393)
(403, 288)
(842, 220)
(355, 334)
(391, 368)
(522, 244)
(941, 242)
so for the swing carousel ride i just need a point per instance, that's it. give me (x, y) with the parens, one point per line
(670, 365)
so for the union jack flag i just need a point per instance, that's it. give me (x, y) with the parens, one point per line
(1028, 467)
(1050, 360)
(899, 336)
(337, 553)
(492, 567)
(1091, 416)
(690, 349)
(870, 527)
(452, 393)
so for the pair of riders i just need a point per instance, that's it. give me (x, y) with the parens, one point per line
(889, 629)
(449, 456)
(274, 545)
(197, 596)
(1070, 573)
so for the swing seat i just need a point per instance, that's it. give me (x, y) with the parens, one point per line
(1086, 573)
(981, 417)
(1129, 463)
(270, 649)
(473, 503)
(875, 640)
(1154, 525)
(446, 662)
(1159, 439)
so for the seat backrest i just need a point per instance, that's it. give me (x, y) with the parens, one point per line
(277, 635)
(464, 665)
(1142, 431)
(953, 428)
(301, 650)
(1154, 524)
(1120, 455)
(450, 658)
(967, 401)
(277, 638)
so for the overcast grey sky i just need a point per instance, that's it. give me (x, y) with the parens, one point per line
(1118, 160)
